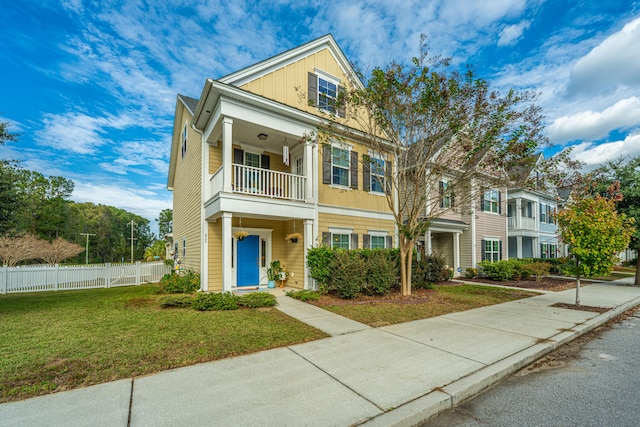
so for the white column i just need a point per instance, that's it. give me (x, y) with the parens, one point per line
(428, 246)
(456, 254)
(519, 247)
(227, 249)
(518, 214)
(308, 244)
(227, 154)
(308, 172)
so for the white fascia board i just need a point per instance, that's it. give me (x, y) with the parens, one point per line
(345, 211)
(255, 115)
(247, 206)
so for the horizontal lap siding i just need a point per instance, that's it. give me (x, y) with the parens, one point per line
(187, 197)
(359, 225)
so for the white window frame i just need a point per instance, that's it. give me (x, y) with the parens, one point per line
(446, 195)
(331, 80)
(382, 178)
(378, 234)
(341, 232)
(184, 141)
(492, 200)
(348, 167)
(495, 249)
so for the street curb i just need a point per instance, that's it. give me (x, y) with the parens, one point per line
(439, 400)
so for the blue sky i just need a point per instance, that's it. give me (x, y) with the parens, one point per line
(91, 85)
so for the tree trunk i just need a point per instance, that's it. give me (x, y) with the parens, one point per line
(637, 281)
(406, 257)
(578, 290)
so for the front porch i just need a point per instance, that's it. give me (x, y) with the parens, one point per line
(242, 246)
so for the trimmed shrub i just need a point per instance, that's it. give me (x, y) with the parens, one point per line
(186, 282)
(320, 262)
(257, 299)
(176, 301)
(382, 272)
(501, 270)
(348, 274)
(216, 301)
(538, 269)
(304, 295)
(429, 270)
(470, 273)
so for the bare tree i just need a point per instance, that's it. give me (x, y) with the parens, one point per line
(434, 123)
(22, 248)
(59, 250)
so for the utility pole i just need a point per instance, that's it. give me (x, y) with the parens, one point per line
(132, 239)
(86, 257)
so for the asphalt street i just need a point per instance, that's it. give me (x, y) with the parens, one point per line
(597, 387)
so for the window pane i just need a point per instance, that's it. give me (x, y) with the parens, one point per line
(340, 241)
(252, 159)
(340, 176)
(340, 157)
(378, 242)
(377, 184)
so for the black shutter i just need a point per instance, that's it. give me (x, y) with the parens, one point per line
(387, 177)
(366, 241)
(500, 249)
(312, 90)
(499, 204)
(354, 241)
(366, 176)
(265, 161)
(326, 164)
(441, 191)
(354, 169)
(482, 204)
(326, 239)
(389, 242)
(482, 246)
(342, 110)
(238, 156)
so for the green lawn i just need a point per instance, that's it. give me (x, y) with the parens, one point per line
(54, 341)
(445, 299)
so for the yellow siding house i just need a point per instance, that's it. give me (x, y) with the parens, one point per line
(245, 174)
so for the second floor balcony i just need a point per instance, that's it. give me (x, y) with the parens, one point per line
(261, 183)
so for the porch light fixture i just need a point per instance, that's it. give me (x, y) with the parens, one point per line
(262, 136)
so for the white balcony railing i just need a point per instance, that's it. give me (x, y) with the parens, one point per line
(261, 182)
(525, 223)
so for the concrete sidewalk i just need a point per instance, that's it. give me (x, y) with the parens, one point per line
(395, 375)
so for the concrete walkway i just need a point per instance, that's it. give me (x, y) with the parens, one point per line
(394, 375)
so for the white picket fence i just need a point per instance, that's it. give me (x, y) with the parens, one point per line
(62, 277)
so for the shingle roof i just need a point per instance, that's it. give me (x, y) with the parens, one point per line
(191, 103)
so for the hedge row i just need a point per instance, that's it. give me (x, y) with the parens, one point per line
(350, 273)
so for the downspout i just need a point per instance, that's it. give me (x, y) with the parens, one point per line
(204, 256)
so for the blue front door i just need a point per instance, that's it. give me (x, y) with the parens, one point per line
(248, 269)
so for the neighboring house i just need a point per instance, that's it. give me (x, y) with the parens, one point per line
(469, 232)
(242, 161)
(533, 232)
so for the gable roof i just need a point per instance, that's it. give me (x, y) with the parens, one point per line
(190, 103)
(255, 71)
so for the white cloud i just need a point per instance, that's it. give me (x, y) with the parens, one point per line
(510, 34)
(78, 132)
(612, 63)
(596, 155)
(624, 114)
(142, 202)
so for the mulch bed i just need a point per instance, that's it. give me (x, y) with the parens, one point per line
(581, 307)
(546, 284)
(418, 296)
